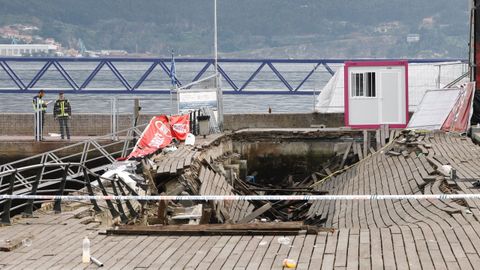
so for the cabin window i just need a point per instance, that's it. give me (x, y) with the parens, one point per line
(363, 84)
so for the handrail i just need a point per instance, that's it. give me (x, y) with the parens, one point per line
(133, 83)
(6, 199)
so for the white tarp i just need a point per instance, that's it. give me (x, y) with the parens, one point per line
(434, 109)
(421, 77)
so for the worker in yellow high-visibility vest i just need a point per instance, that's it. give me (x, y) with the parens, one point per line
(62, 111)
(39, 107)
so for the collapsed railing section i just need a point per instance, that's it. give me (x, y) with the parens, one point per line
(96, 154)
(62, 183)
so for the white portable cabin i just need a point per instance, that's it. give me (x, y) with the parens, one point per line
(376, 93)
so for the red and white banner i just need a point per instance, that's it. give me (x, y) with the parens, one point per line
(180, 126)
(156, 135)
(459, 117)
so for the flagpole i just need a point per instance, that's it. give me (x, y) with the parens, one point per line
(174, 87)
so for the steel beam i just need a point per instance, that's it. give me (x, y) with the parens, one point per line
(65, 75)
(7, 204)
(119, 76)
(57, 207)
(227, 78)
(252, 76)
(15, 78)
(127, 87)
(90, 190)
(145, 75)
(28, 212)
(307, 77)
(92, 75)
(280, 76)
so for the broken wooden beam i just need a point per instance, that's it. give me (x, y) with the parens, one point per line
(345, 155)
(308, 190)
(255, 214)
(278, 228)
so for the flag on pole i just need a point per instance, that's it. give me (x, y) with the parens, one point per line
(172, 72)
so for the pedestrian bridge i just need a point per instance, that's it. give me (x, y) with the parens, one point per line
(152, 75)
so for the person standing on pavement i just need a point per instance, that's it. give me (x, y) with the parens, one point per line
(39, 107)
(62, 111)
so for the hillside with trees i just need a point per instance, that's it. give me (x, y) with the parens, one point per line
(253, 28)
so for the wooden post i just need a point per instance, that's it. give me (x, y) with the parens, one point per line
(366, 143)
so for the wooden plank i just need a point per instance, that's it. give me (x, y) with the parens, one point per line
(382, 135)
(171, 249)
(364, 252)
(258, 248)
(149, 247)
(399, 251)
(201, 253)
(224, 254)
(243, 252)
(386, 133)
(354, 148)
(392, 136)
(345, 155)
(293, 252)
(366, 143)
(359, 151)
(180, 164)
(189, 158)
(123, 257)
(213, 229)
(353, 252)
(316, 259)
(378, 139)
(173, 166)
(376, 247)
(255, 213)
(306, 253)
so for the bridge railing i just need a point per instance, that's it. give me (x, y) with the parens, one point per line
(152, 75)
(90, 115)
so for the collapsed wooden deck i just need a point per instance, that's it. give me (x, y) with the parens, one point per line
(407, 234)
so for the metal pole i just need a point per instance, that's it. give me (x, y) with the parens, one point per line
(38, 122)
(217, 78)
(115, 118)
(215, 45)
(7, 204)
(439, 76)
(112, 114)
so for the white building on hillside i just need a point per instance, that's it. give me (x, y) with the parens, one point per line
(23, 49)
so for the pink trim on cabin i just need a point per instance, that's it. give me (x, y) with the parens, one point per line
(373, 64)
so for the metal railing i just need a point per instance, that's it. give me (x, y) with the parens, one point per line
(59, 170)
(91, 115)
(96, 154)
(152, 75)
(63, 183)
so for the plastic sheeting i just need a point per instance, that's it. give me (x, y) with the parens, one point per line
(434, 109)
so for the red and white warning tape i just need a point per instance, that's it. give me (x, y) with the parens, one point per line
(244, 197)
